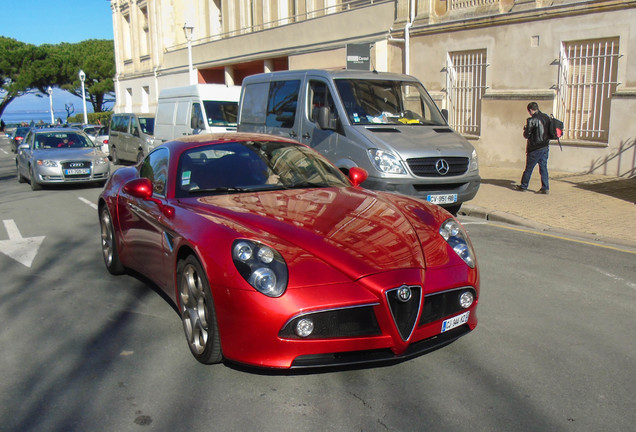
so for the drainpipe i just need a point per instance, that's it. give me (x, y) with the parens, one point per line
(407, 38)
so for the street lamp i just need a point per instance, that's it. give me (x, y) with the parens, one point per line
(50, 92)
(82, 77)
(188, 29)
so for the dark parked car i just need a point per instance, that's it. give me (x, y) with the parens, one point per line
(275, 259)
(18, 136)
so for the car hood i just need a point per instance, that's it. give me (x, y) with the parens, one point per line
(360, 232)
(417, 141)
(69, 153)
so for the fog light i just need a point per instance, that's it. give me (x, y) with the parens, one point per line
(466, 299)
(304, 327)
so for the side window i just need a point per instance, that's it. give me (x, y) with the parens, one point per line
(196, 117)
(282, 103)
(155, 168)
(318, 97)
(254, 104)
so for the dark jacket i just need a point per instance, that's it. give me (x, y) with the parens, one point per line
(536, 131)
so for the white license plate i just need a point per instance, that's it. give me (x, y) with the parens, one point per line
(453, 322)
(442, 199)
(77, 171)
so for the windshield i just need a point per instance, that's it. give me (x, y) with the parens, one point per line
(147, 125)
(58, 140)
(388, 102)
(221, 113)
(251, 166)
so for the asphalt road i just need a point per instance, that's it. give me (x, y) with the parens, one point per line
(86, 351)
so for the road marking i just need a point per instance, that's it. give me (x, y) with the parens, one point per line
(4, 151)
(85, 201)
(23, 250)
(616, 248)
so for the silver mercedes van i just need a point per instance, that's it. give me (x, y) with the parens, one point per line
(385, 123)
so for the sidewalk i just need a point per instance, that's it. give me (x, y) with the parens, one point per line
(597, 206)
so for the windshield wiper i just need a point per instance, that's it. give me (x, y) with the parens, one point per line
(220, 190)
(306, 185)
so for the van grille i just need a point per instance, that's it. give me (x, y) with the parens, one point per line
(426, 167)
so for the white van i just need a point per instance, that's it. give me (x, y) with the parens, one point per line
(196, 109)
(385, 123)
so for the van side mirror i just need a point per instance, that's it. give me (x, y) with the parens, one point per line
(324, 119)
(197, 123)
(136, 131)
(445, 114)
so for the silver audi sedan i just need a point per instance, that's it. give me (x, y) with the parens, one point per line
(60, 155)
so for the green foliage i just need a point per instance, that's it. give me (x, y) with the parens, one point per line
(102, 118)
(26, 68)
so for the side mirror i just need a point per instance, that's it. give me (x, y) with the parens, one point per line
(136, 132)
(445, 114)
(139, 188)
(324, 119)
(142, 188)
(357, 175)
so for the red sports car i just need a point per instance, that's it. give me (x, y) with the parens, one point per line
(275, 258)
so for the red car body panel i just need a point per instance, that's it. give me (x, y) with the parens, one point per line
(344, 248)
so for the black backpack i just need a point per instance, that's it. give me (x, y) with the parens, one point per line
(555, 129)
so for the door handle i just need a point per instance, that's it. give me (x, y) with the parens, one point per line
(306, 135)
(293, 134)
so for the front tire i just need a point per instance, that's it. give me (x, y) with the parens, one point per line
(109, 244)
(113, 156)
(34, 183)
(197, 312)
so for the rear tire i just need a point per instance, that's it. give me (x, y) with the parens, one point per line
(21, 178)
(109, 244)
(197, 312)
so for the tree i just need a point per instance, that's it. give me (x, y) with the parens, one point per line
(23, 69)
(26, 68)
(97, 59)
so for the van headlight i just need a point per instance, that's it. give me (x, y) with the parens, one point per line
(261, 266)
(457, 238)
(474, 163)
(386, 162)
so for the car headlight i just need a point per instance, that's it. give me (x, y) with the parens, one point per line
(386, 162)
(457, 238)
(46, 163)
(474, 163)
(101, 161)
(261, 266)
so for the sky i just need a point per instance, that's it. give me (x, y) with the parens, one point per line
(49, 22)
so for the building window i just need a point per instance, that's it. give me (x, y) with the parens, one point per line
(587, 79)
(465, 86)
(144, 42)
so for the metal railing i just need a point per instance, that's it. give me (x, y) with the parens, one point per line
(465, 86)
(587, 79)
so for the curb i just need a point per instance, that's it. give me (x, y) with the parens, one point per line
(500, 216)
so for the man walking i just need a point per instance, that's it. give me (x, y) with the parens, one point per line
(537, 148)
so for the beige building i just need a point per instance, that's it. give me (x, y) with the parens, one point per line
(483, 60)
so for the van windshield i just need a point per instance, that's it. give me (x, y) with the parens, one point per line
(388, 102)
(221, 113)
(147, 125)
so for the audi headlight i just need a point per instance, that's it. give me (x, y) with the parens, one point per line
(261, 266)
(457, 238)
(101, 161)
(46, 163)
(386, 162)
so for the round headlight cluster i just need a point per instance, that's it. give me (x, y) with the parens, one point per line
(457, 238)
(261, 266)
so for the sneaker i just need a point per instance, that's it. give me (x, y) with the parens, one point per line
(543, 191)
(519, 188)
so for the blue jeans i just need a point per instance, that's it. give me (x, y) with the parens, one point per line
(539, 156)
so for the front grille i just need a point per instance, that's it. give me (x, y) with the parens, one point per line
(440, 305)
(425, 167)
(404, 311)
(348, 322)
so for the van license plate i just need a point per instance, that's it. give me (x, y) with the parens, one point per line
(451, 323)
(442, 199)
